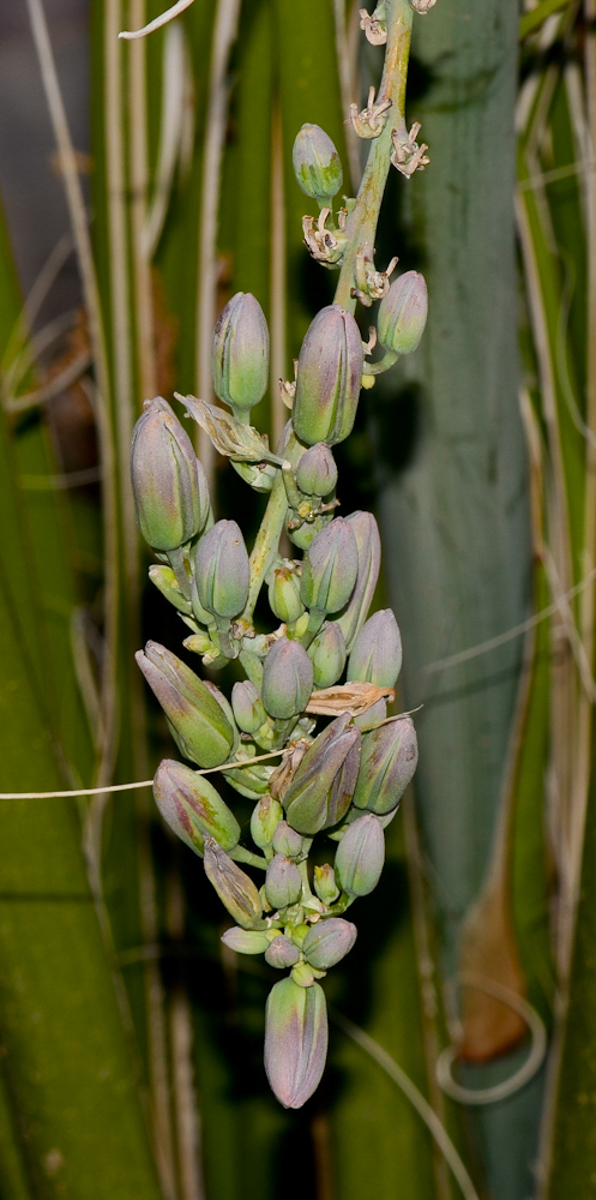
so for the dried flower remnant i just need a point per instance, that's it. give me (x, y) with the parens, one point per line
(408, 156)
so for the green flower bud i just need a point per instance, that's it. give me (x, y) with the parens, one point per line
(316, 473)
(402, 313)
(250, 781)
(376, 654)
(368, 546)
(287, 679)
(222, 570)
(325, 884)
(284, 594)
(282, 952)
(165, 581)
(305, 534)
(283, 883)
(287, 842)
(247, 706)
(330, 568)
(199, 723)
(328, 653)
(328, 942)
(360, 856)
(329, 375)
(192, 807)
(240, 353)
(265, 818)
(317, 165)
(169, 484)
(234, 887)
(321, 790)
(389, 760)
(245, 941)
(296, 1037)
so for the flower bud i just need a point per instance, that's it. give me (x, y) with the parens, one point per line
(328, 654)
(316, 473)
(317, 165)
(265, 818)
(325, 884)
(402, 313)
(322, 788)
(287, 841)
(330, 568)
(199, 723)
(368, 546)
(376, 654)
(283, 883)
(222, 570)
(296, 1037)
(245, 941)
(240, 353)
(287, 679)
(282, 952)
(328, 942)
(284, 594)
(247, 707)
(234, 887)
(169, 484)
(389, 760)
(305, 534)
(192, 807)
(250, 781)
(360, 856)
(329, 374)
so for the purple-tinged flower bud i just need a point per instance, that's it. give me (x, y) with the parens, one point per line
(192, 807)
(245, 941)
(317, 165)
(284, 594)
(325, 884)
(376, 654)
(296, 1037)
(198, 722)
(287, 679)
(165, 581)
(234, 887)
(283, 883)
(321, 790)
(265, 818)
(330, 568)
(329, 375)
(403, 312)
(368, 545)
(316, 473)
(328, 942)
(282, 952)
(222, 570)
(389, 760)
(286, 841)
(169, 484)
(240, 353)
(247, 706)
(328, 653)
(360, 856)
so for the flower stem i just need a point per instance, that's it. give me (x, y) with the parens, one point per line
(267, 540)
(362, 223)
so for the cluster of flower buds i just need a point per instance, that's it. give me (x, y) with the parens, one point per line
(323, 792)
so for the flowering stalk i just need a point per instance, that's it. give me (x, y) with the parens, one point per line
(342, 782)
